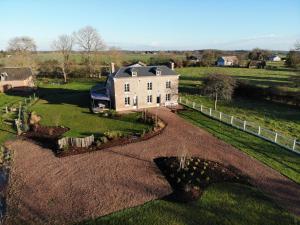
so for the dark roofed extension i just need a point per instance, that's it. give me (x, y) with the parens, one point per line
(144, 71)
(16, 73)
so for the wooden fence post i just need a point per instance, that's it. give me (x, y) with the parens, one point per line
(201, 108)
(231, 120)
(220, 116)
(259, 130)
(294, 144)
(245, 122)
(210, 111)
(193, 105)
(276, 136)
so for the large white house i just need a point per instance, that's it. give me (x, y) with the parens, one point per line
(227, 61)
(137, 87)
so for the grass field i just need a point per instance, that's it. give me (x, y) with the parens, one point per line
(222, 204)
(284, 161)
(68, 105)
(274, 116)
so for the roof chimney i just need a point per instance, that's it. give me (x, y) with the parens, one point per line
(172, 66)
(112, 67)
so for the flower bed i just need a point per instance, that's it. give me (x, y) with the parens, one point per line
(189, 177)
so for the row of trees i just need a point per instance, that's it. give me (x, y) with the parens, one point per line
(87, 40)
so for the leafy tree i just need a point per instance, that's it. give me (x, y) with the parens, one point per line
(259, 54)
(219, 86)
(209, 58)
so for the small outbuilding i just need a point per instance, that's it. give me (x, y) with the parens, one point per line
(15, 77)
(274, 58)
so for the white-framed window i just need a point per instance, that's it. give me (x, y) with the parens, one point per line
(149, 86)
(149, 99)
(168, 84)
(158, 72)
(127, 101)
(168, 97)
(133, 73)
(127, 87)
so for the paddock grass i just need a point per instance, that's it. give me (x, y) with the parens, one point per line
(274, 116)
(278, 76)
(222, 204)
(68, 105)
(284, 161)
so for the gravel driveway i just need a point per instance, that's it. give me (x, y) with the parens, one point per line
(44, 189)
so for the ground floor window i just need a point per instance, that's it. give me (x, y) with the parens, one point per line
(127, 100)
(168, 97)
(149, 99)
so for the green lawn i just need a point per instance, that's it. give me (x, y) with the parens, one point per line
(284, 161)
(222, 203)
(68, 105)
(274, 116)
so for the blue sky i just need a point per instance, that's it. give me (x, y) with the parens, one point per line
(157, 25)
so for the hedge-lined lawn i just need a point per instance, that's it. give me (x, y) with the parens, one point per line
(68, 105)
(222, 203)
(284, 161)
(6, 131)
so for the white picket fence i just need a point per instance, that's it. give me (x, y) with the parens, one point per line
(287, 142)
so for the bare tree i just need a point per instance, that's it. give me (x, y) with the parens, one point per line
(64, 45)
(89, 41)
(21, 45)
(218, 86)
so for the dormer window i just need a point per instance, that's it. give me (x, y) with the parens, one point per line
(158, 72)
(133, 73)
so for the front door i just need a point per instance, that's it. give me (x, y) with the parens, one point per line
(135, 102)
(158, 100)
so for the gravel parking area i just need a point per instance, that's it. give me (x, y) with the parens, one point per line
(45, 189)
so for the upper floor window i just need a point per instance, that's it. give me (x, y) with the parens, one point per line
(127, 101)
(149, 99)
(168, 84)
(158, 72)
(149, 86)
(126, 87)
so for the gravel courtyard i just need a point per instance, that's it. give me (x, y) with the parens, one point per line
(44, 189)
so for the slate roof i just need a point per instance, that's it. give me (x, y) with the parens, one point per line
(143, 71)
(16, 73)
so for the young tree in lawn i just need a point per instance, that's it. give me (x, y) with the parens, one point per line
(64, 45)
(89, 41)
(218, 86)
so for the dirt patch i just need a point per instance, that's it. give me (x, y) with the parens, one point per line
(190, 177)
(46, 136)
(72, 150)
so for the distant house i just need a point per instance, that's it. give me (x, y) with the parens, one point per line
(137, 64)
(137, 87)
(193, 59)
(257, 64)
(15, 77)
(228, 61)
(274, 58)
